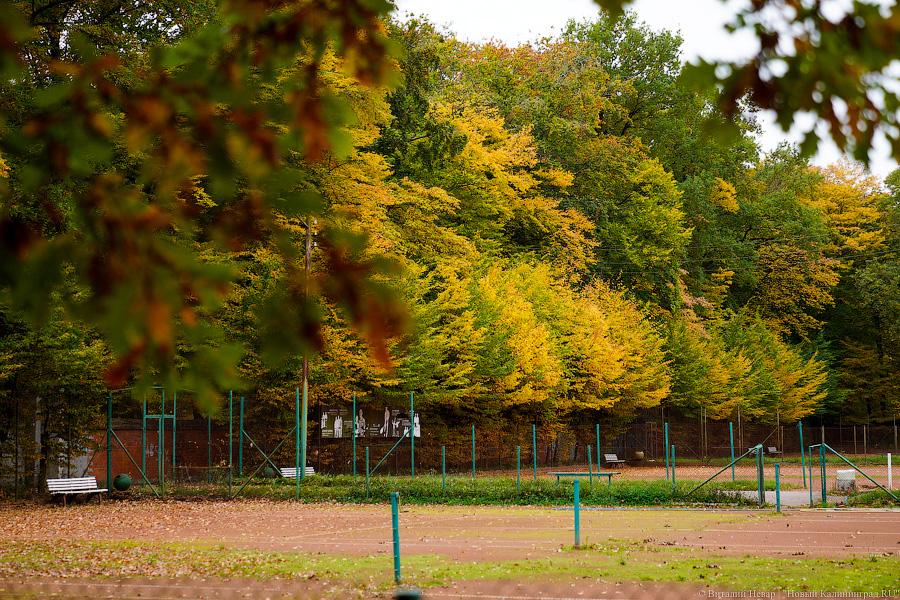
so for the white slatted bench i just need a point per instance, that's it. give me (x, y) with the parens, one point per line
(612, 459)
(74, 485)
(291, 472)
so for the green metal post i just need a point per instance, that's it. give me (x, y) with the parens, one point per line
(577, 516)
(731, 435)
(412, 438)
(367, 472)
(354, 434)
(298, 450)
(395, 523)
(444, 468)
(822, 470)
(534, 448)
(802, 461)
(108, 445)
(473, 452)
(591, 468)
(666, 429)
(673, 466)
(777, 487)
(241, 438)
(303, 426)
(598, 447)
(518, 469)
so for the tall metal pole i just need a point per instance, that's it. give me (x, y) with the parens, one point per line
(534, 448)
(297, 449)
(598, 447)
(354, 433)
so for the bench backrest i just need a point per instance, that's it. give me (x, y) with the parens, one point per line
(72, 484)
(611, 457)
(773, 450)
(291, 472)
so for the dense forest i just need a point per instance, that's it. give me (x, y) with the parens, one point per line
(545, 233)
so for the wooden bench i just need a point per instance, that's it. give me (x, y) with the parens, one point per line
(612, 459)
(291, 472)
(608, 476)
(74, 485)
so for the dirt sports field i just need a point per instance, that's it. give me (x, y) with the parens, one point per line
(266, 550)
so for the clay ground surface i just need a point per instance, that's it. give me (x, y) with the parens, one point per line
(455, 536)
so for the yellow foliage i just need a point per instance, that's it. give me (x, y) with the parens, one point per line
(724, 196)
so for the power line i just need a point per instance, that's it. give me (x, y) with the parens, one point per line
(718, 269)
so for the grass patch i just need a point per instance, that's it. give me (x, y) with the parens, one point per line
(460, 490)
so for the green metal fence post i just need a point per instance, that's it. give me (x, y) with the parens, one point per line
(777, 487)
(731, 436)
(534, 448)
(444, 468)
(577, 503)
(802, 461)
(598, 447)
(298, 442)
(395, 500)
(367, 472)
(673, 467)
